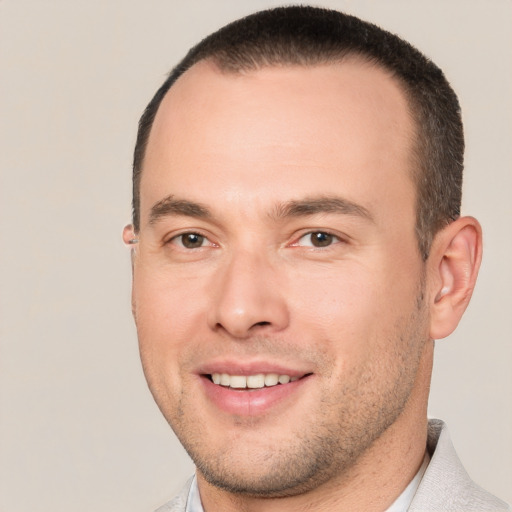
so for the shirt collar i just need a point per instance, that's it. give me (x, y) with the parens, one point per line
(194, 500)
(403, 502)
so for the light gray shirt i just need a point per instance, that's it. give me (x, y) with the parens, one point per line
(444, 487)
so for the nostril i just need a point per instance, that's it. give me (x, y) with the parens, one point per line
(262, 323)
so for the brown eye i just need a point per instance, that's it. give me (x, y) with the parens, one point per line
(321, 239)
(318, 239)
(191, 240)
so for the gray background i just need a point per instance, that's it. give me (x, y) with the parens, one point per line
(79, 430)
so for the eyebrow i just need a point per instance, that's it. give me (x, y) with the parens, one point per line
(169, 206)
(319, 205)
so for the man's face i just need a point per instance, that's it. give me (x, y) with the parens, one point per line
(277, 243)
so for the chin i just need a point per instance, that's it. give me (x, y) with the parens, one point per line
(273, 469)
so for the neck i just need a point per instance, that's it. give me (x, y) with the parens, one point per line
(372, 484)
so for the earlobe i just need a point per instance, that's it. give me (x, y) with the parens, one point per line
(454, 263)
(130, 239)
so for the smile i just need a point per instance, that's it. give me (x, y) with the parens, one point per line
(255, 393)
(258, 381)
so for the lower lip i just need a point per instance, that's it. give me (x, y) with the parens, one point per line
(251, 402)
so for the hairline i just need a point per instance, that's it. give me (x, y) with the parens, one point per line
(347, 55)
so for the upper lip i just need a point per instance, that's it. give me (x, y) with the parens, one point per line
(250, 368)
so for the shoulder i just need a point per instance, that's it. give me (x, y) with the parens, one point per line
(179, 503)
(446, 486)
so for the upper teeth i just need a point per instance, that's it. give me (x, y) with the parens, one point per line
(259, 380)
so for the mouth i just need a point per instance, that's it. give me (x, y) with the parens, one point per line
(255, 388)
(249, 382)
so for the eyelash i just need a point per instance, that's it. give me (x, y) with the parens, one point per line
(177, 238)
(332, 239)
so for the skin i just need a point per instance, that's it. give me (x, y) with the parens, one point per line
(236, 159)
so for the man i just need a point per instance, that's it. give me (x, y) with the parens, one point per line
(297, 248)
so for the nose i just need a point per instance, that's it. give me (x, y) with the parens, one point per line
(248, 298)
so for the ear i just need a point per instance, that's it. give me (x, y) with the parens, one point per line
(130, 239)
(453, 263)
(128, 234)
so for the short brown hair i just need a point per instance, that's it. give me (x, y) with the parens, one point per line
(309, 36)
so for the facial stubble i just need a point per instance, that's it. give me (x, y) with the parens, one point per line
(368, 402)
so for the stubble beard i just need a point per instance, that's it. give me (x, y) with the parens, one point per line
(330, 445)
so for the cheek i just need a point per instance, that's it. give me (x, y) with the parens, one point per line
(165, 305)
(353, 310)
(168, 316)
(341, 302)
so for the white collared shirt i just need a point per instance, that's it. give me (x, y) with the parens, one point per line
(401, 504)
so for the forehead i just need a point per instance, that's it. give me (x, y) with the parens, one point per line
(307, 126)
